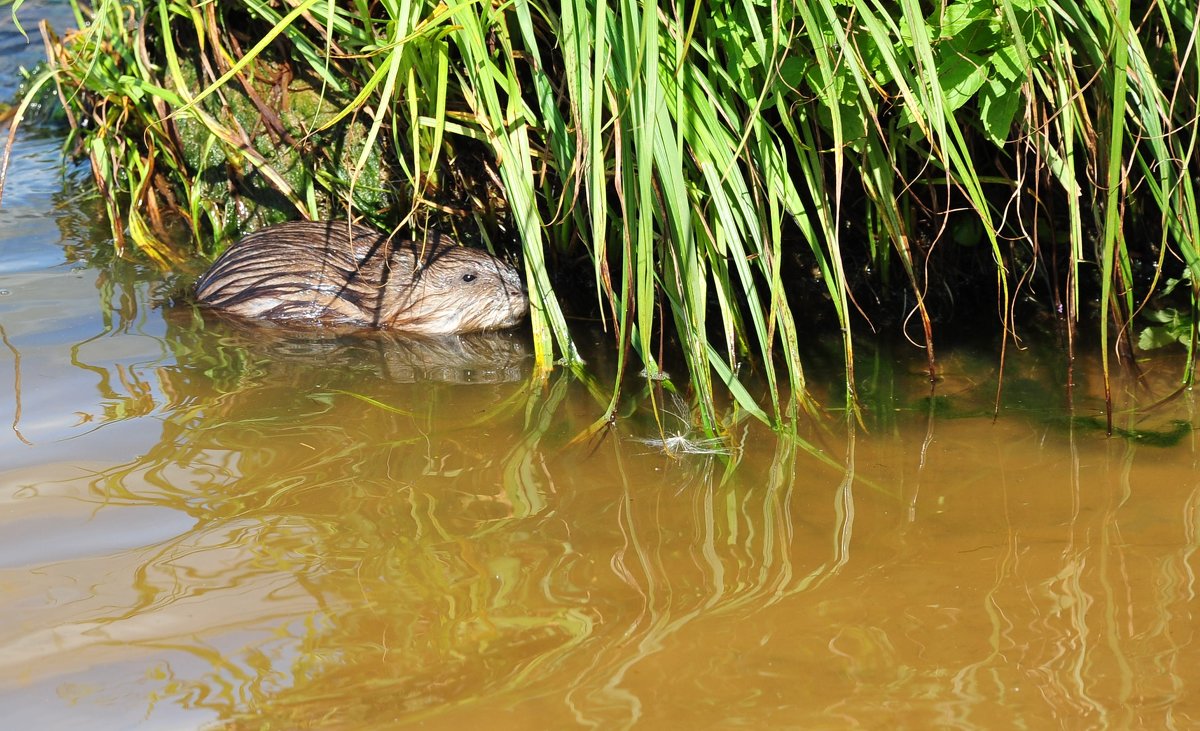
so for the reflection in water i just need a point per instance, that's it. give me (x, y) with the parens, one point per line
(487, 357)
(351, 562)
(267, 528)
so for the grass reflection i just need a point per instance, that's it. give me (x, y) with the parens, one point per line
(365, 547)
(406, 530)
(376, 537)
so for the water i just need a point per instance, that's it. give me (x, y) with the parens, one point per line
(204, 526)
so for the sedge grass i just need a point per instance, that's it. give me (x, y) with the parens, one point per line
(705, 157)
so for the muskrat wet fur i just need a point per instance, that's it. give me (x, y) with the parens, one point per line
(336, 273)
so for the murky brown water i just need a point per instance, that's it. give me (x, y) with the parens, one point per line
(203, 527)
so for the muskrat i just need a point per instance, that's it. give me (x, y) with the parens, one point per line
(337, 273)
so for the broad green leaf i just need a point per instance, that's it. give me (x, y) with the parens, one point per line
(961, 76)
(998, 104)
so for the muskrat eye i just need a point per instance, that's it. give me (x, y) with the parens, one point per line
(468, 278)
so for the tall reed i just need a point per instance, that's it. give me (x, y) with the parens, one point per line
(714, 159)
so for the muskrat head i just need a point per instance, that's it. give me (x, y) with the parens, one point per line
(454, 289)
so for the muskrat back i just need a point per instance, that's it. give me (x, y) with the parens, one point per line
(334, 272)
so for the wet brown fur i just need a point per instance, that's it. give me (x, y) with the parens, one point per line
(331, 272)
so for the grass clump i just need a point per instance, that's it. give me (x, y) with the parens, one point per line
(729, 172)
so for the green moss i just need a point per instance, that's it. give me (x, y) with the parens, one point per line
(313, 164)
